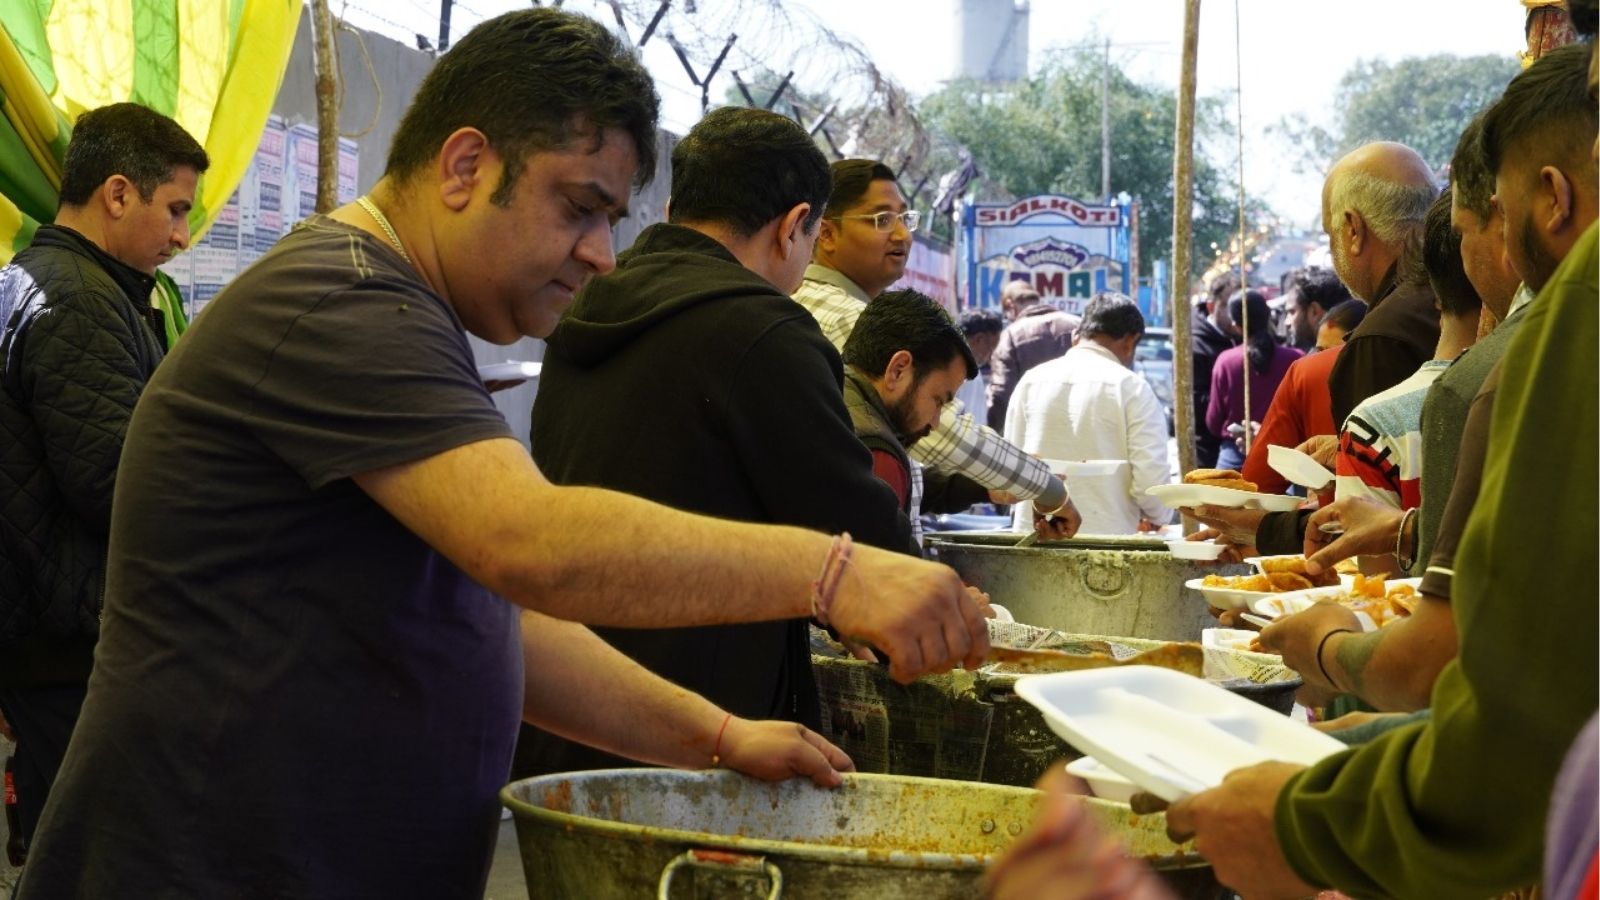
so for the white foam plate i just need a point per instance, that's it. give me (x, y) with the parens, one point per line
(1228, 639)
(1223, 597)
(1103, 780)
(1176, 495)
(510, 371)
(1298, 467)
(1274, 606)
(1171, 734)
(1085, 468)
(1199, 550)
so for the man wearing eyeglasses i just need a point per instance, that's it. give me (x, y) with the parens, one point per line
(862, 246)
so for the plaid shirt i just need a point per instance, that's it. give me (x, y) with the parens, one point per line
(957, 444)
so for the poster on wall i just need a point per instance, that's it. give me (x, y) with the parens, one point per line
(279, 188)
(931, 269)
(1067, 249)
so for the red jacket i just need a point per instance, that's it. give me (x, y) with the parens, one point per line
(1302, 408)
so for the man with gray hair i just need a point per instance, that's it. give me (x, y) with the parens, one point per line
(1373, 205)
(1090, 404)
(1374, 202)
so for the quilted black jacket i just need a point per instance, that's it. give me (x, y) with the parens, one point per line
(80, 341)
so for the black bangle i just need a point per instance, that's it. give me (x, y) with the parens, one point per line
(1323, 643)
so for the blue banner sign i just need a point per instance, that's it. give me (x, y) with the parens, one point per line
(1067, 249)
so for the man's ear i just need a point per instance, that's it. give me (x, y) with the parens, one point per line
(899, 374)
(827, 235)
(1554, 184)
(116, 194)
(466, 161)
(1354, 232)
(791, 231)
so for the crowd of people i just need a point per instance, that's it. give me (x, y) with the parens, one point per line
(333, 583)
(293, 571)
(1473, 466)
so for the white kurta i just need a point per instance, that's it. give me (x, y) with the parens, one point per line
(1088, 405)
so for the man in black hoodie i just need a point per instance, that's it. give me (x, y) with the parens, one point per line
(722, 397)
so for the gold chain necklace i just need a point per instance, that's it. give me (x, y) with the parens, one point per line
(377, 215)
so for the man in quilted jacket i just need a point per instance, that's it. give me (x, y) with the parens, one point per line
(80, 340)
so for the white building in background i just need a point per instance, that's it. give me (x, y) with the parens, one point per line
(991, 40)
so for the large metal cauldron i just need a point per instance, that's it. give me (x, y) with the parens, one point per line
(632, 833)
(971, 725)
(1124, 586)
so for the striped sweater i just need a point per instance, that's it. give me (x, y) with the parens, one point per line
(1380, 446)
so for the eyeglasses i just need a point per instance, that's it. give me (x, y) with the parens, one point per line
(884, 221)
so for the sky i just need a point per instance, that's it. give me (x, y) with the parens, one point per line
(1294, 52)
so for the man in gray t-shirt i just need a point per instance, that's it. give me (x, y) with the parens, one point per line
(309, 674)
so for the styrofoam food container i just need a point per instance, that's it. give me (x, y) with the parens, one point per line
(1186, 495)
(1274, 606)
(1171, 734)
(1084, 468)
(1199, 550)
(1228, 638)
(1225, 597)
(1103, 780)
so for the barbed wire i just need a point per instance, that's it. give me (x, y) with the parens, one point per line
(391, 29)
(867, 112)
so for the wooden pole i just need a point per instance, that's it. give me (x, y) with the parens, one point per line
(326, 61)
(1182, 232)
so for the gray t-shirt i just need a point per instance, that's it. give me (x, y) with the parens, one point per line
(293, 695)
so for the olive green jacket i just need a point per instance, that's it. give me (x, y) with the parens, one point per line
(1456, 807)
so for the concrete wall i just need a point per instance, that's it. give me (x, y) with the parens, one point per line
(399, 70)
(396, 71)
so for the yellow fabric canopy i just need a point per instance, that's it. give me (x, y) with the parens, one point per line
(213, 65)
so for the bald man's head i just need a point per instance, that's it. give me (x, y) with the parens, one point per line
(1374, 203)
(1017, 295)
(1389, 184)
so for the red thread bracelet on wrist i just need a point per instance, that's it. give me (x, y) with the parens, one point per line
(716, 752)
(827, 583)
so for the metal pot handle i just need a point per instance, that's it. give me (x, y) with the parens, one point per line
(738, 864)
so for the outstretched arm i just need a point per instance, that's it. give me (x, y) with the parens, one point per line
(1393, 668)
(604, 558)
(635, 713)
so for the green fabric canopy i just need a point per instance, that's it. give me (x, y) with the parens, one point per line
(213, 65)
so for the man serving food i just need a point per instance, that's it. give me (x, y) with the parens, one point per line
(311, 669)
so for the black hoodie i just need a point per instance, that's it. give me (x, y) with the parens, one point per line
(685, 378)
